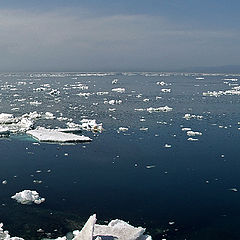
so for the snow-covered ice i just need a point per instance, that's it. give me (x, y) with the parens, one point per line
(55, 135)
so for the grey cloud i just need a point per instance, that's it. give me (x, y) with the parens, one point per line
(75, 40)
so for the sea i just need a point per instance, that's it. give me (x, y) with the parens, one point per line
(173, 170)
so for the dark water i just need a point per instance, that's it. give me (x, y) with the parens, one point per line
(186, 193)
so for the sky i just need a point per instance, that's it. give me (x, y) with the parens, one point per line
(124, 35)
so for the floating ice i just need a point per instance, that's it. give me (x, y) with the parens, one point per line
(167, 145)
(193, 134)
(4, 131)
(55, 135)
(162, 83)
(28, 197)
(4, 235)
(233, 91)
(91, 125)
(116, 229)
(186, 129)
(112, 102)
(122, 129)
(160, 109)
(192, 139)
(166, 90)
(189, 116)
(120, 90)
(7, 118)
(114, 81)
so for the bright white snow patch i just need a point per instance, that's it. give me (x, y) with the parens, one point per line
(28, 197)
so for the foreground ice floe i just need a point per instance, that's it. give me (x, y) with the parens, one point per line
(28, 197)
(116, 229)
(56, 135)
(4, 235)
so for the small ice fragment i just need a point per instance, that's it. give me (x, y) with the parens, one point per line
(4, 182)
(143, 129)
(150, 166)
(166, 90)
(193, 134)
(233, 189)
(186, 129)
(167, 145)
(192, 139)
(119, 90)
(114, 81)
(122, 129)
(159, 109)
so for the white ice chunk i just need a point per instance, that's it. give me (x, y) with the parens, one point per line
(189, 116)
(160, 109)
(4, 235)
(120, 90)
(193, 134)
(91, 125)
(28, 197)
(166, 90)
(122, 129)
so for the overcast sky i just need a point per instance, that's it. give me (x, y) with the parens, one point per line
(123, 35)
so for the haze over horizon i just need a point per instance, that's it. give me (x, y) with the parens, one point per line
(105, 35)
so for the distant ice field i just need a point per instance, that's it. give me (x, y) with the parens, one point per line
(164, 153)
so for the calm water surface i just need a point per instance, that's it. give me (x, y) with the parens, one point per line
(186, 191)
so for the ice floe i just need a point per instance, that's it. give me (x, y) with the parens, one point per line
(28, 197)
(119, 90)
(193, 134)
(4, 235)
(56, 135)
(189, 116)
(159, 109)
(91, 125)
(116, 229)
(122, 129)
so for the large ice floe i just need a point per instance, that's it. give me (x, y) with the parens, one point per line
(28, 197)
(56, 135)
(115, 230)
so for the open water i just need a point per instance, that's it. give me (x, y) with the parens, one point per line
(152, 175)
